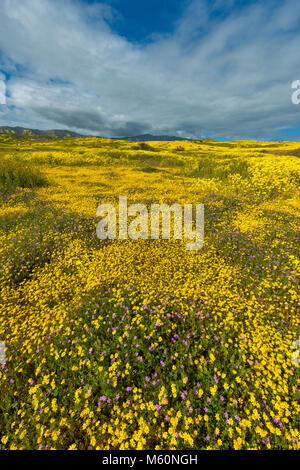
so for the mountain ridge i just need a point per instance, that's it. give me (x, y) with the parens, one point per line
(18, 130)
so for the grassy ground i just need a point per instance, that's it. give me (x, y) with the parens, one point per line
(140, 343)
(15, 175)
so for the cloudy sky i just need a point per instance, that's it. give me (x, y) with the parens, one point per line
(193, 68)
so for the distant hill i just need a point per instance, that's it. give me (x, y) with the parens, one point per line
(47, 133)
(148, 137)
(66, 133)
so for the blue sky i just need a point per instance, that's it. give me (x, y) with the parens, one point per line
(138, 20)
(193, 68)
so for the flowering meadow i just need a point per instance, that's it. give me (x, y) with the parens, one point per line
(141, 344)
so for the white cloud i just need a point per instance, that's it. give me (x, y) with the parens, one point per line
(229, 76)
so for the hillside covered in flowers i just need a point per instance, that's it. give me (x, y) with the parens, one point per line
(141, 344)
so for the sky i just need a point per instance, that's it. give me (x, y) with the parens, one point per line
(220, 69)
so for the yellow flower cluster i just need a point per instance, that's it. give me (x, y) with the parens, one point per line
(141, 344)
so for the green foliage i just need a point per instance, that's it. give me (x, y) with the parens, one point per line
(145, 146)
(211, 167)
(19, 175)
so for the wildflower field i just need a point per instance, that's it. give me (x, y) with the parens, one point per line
(141, 344)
